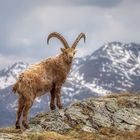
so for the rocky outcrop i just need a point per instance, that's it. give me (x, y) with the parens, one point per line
(95, 118)
(121, 112)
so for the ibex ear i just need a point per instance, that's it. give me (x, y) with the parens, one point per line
(62, 50)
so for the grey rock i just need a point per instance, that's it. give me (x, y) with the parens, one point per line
(53, 121)
(112, 106)
(92, 114)
(75, 114)
(101, 121)
(125, 126)
(127, 118)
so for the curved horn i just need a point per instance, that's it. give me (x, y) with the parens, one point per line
(81, 35)
(58, 36)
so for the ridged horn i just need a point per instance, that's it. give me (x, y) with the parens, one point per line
(58, 36)
(81, 35)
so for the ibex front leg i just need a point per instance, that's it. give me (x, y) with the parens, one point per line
(52, 103)
(58, 97)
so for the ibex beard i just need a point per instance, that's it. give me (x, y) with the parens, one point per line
(46, 76)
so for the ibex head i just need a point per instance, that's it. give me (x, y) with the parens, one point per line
(68, 52)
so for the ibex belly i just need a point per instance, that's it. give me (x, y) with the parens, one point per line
(43, 87)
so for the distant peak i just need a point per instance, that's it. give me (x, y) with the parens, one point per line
(115, 43)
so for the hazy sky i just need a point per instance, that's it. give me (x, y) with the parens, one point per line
(25, 25)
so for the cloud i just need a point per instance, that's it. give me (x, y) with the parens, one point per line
(25, 26)
(100, 3)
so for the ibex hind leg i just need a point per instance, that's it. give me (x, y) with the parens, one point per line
(28, 104)
(21, 104)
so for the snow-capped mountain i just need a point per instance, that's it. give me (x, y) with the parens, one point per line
(9, 75)
(115, 67)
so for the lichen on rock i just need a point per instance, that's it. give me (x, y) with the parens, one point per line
(93, 114)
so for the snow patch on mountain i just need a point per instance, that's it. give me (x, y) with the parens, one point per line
(9, 75)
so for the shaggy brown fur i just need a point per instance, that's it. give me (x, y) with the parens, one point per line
(43, 77)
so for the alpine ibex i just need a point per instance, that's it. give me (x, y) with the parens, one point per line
(43, 77)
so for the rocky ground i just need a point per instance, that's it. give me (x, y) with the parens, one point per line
(110, 117)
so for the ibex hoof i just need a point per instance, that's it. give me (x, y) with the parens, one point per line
(18, 127)
(60, 106)
(53, 107)
(26, 126)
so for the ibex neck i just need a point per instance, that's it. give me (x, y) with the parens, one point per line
(63, 63)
